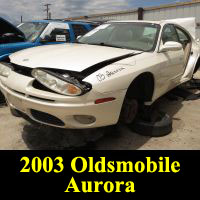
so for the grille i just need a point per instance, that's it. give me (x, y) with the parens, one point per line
(46, 118)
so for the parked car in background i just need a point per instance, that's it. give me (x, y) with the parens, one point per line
(37, 33)
(115, 69)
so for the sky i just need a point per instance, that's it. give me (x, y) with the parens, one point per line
(12, 10)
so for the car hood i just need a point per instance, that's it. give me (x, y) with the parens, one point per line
(73, 57)
(7, 27)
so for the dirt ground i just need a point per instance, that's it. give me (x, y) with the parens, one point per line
(15, 133)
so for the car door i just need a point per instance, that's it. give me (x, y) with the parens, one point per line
(172, 62)
(186, 42)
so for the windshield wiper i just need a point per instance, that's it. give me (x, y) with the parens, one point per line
(110, 45)
(102, 44)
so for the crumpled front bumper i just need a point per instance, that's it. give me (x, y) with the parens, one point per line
(58, 110)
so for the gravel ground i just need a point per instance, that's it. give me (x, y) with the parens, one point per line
(15, 133)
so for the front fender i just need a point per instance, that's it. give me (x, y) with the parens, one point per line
(114, 77)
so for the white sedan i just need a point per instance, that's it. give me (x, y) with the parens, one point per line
(103, 78)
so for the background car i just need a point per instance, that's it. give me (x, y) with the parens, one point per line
(37, 33)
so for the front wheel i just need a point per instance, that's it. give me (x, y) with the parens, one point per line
(129, 110)
(2, 98)
(161, 126)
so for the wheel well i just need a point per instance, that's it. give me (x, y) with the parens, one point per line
(142, 87)
(197, 65)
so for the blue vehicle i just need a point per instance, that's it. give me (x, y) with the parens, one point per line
(36, 33)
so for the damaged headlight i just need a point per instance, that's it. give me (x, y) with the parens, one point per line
(4, 70)
(61, 84)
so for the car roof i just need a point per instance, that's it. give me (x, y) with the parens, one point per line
(180, 21)
(60, 21)
(189, 24)
(135, 21)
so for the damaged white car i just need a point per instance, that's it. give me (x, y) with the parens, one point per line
(103, 78)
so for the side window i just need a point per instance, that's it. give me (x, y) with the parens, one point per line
(60, 35)
(169, 34)
(184, 38)
(79, 30)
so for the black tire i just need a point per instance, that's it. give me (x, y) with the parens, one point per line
(2, 98)
(129, 110)
(158, 128)
(192, 84)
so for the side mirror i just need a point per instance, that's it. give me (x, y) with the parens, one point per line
(171, 46)
(78, 37)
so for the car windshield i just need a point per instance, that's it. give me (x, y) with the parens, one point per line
(135, 36)
(32, 30)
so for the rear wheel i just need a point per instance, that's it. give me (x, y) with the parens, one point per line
(192, 84)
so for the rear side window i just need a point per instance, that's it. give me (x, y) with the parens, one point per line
(169, 34)
(183, 36)
(60, 35)
(79, 30)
